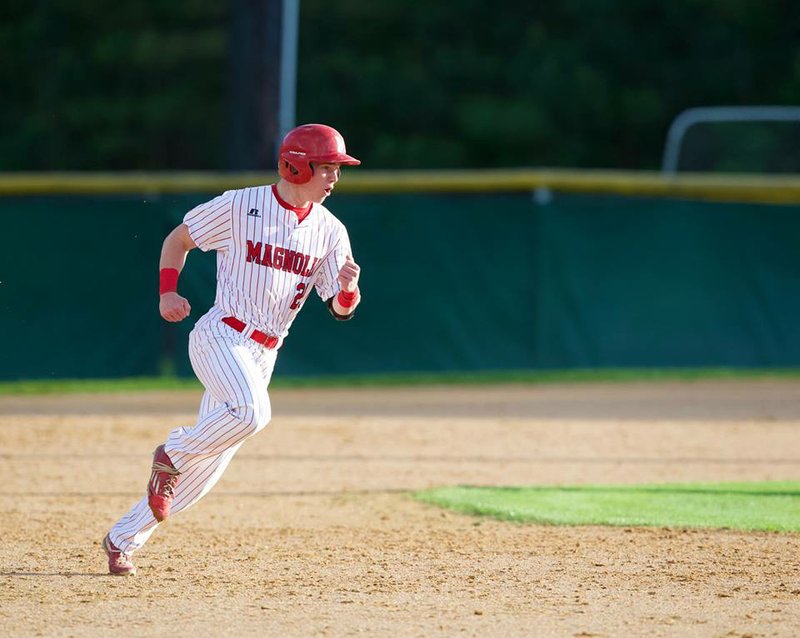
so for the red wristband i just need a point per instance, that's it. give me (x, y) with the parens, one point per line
(347, 299)
(168, 280)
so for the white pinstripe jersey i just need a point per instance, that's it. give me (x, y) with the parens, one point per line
(267, 261)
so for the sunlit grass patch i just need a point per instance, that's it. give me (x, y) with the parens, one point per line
(768, 506)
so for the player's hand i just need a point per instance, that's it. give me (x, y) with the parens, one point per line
(173, 307)
(348, 275)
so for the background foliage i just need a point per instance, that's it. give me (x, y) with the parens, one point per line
(94, 84)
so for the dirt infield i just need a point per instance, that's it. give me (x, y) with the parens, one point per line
(311, 532)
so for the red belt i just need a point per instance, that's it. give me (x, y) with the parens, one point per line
(265, 340)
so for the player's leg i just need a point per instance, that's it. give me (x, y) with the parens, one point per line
(235, 372)
(207, 404)
(235, 406)
(135, 528)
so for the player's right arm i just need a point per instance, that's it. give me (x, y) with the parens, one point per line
(176, 246)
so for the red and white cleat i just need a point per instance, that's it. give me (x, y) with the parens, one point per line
(119, 563)
(161, 488)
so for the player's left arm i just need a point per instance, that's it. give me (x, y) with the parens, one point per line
(343, 304)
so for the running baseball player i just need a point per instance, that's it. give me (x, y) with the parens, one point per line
(274, 244)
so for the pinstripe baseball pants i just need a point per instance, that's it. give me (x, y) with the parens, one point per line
(235, 372)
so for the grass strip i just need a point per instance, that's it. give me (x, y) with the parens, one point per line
(610, 375)
(764, 506)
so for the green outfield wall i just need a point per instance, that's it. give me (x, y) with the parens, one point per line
(453, 280)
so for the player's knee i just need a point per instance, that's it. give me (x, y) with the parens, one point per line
(255, 415)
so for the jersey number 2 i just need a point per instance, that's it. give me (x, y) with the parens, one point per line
(301, 288)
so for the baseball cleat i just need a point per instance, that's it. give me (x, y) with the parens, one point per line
(161, 488)
(119, 563)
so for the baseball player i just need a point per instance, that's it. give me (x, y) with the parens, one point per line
(274, 244)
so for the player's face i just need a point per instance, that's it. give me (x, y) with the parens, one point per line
(322, 182)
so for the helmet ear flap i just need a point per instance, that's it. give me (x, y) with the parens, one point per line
(295, 173)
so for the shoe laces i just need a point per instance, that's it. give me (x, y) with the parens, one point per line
(123, 558)
(168, 486)
(162, 467)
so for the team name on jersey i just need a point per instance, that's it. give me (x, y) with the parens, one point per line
(281, 258)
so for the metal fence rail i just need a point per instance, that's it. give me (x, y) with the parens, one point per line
(714, 114)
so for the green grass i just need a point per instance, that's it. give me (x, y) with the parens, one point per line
(769, 506)
(406, 379)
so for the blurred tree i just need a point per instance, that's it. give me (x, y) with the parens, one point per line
(95, 84)
(582, 83)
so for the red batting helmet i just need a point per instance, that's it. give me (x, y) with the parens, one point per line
(307, 144)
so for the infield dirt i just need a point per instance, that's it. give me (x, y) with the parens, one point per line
(312, 531)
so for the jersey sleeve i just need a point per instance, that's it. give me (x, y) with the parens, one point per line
(210, 224)
(326, 283)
